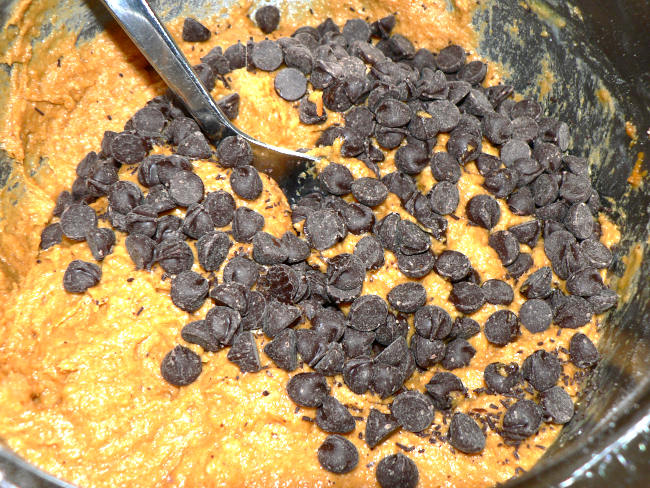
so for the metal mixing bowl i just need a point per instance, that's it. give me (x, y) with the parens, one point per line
(587, 46)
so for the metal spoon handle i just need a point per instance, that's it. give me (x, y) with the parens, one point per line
(151, 37)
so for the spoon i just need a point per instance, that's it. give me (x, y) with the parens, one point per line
(290, 169)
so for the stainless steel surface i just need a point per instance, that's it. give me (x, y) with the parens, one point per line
(289, 168)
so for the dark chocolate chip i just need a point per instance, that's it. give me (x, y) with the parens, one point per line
(212, 249)
(141, 250)
(575, 188)
(520, 202)
(497, 292)
(502, 182)
(241, 270)
(330, 323)
(392, 113)
(369, 191)
(225, 324)
(465, 434)
(407, 297)
(522, 420)
(324, 228)
(451, 58)
(194, 31)
(290, 84)
(358, 218)
(308, 389)
(246, 182)
(582, 351)
(336, 178)
(379, 426)
(506, 246)
(464, 328)
(520, 265)
(432, 322)
(199, 332)
(333, 417)
(444, 197)
(415, 265)
(234, 151)
(501, 378)
(77, 220)
(255, 312)
(596, 253)
(397, 471)
(574, 312)
(367, 313)
(413, 410)
(181, 366)
(128, 148)
(174, 255)
(338, 455)
(194, 145)
(246, 223)
(580, 221)
(586, 282)
(197, 222)
(458, 354)
(557, 405)
(411, 239)
(484, 211)
(233, 295)
(81, 275)
(426, 352)
(464, 146)
(267, 18)
(467, 297)
(244, 353)
(541, 369)
(385, 380)
(279, 316)
(538, 284)
(53, 235)
(185, 188)
(603, 300)
(370, 252)
(536, 315)
(221, 207)
(267, 55)
(452, 265)
(524, 128)
(267, 249)
(502, 327)
(189, 290)
(440, 387)
(282, 350)
(411, 159)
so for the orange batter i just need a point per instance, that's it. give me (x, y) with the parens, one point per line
(81, 393)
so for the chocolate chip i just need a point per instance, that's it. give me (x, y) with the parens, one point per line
(497, 292)
(189, 290)
(141, 250)
(297, 250)
(527, 233)
(333, 417)
(81, 275)
(181, 366)
(330, 323)
(413, 411)
(506, 246)
(415, 265)
(174, 255)
(464, 146)
(142, 220)
(582, 351)
(323, 229)
(502, 327)
(282, 350)
(246, 223)
(367, 313)
(524, 128)
(496, 128)
(267, 249)
(369, 191)
(444, 197)
(440, 387)
(392, 113)
(255, 312)
(526, 107)
(502, 182)
(520, 265)
(467, 297)
(244, 353)
(522, 420)
(557, 405)
(229, 104)
(426, 352)
(53, 235)
(538, 284)
(585, 283)
(281, 282)
(536, 315)
(199, 332)
(77, 220)
(451, 58)
(358, 218)
(234, 151)
(379, 426)
(397, 471)
(290, 84)
(241, 270)
(212, 249)
(336, 178)
(407, 297)
(267, 18)
(128, 148)
(411, 239)
(267, 55)
(385, 380)
(381, 28)
(338, 455)
(541, 369)
(452, 265)
(370, 252)
(279, 316)
(464, 328)
(233, 295)
(194, 145)
(520, 202)
(580, 221)
(236, 55)
(596, 253)
(484, 211)
(513, 150)
(444, 167)
(185, 188)
(158, 199)
(501, 378)
(194, 31)
(411, 159)
(221, 207)
(225, 324)
(308, 389)
(345, 275)
(603, 300)
(574, 312)
(465, 434)
(246, 182)
(432, 322)
(458, 354)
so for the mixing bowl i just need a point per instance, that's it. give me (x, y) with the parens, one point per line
(589, 64)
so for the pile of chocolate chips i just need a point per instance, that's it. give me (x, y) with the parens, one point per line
(392, 96)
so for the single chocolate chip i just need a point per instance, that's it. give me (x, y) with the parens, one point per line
(381, 28)
(464, 328)
(496, 128)
(536, 315)
(199, 332)
(53, 235)
(174, 255)
(379, 426)
(520, 265)
(128, 148)
(522, 420)
(282, 350)
(142, 220)
(541, 369)
(358, 218)
(367, 313)
(603, 300)
(506, 246)
(411, 239)
(582, 351)
(502, 327)
(267, 55)
(283, 283)
(225, 324)
(451, 58)
(458, 354)
(279, 316)
(484, 211)
(194, 31)
(330, 323)
(513, 150)
(415, 265)
(397, 471)
(246, 223)
(538, 284)
(308, 389)
(197, 222)
(574, 312)
(413, 410)
(185, 188)
(159, 200)
(465, 434)
(486, 163)
(333, 417)
(229, 105)
(244, 353)
(407, 297)
(467, 297)
(336, 179)
(411, 159)
(444, 197)
(236, 55)
(290, 84)
(452, 265)
(524, 128)
(241, 270)
(267, 249)
(81, 275)
(520, 202)
(233, 295)
(426, 352)
(445, 113)
(527, 233)
(297, 249)
(369, 191)
(338, 455)
(357, 373)
(502, 182)
(440, 387)
(586, 282)
(212, 249)
(194, 145)
(575, 188)
(580, 221)
(464, 145)
(189, 290)
(246, 182)
(370, 252)
(385, 380)
(596, 253)
(345, 275)
(234, 151)
(323, 229)
(181, 366)
(497, 292)
(394, 328)
(221, 207)
(141, 250)
(432, 322)
(557, 405)
(267, 18)
(255, 312)
(392, 113)
(77, 220)
(501, 378)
